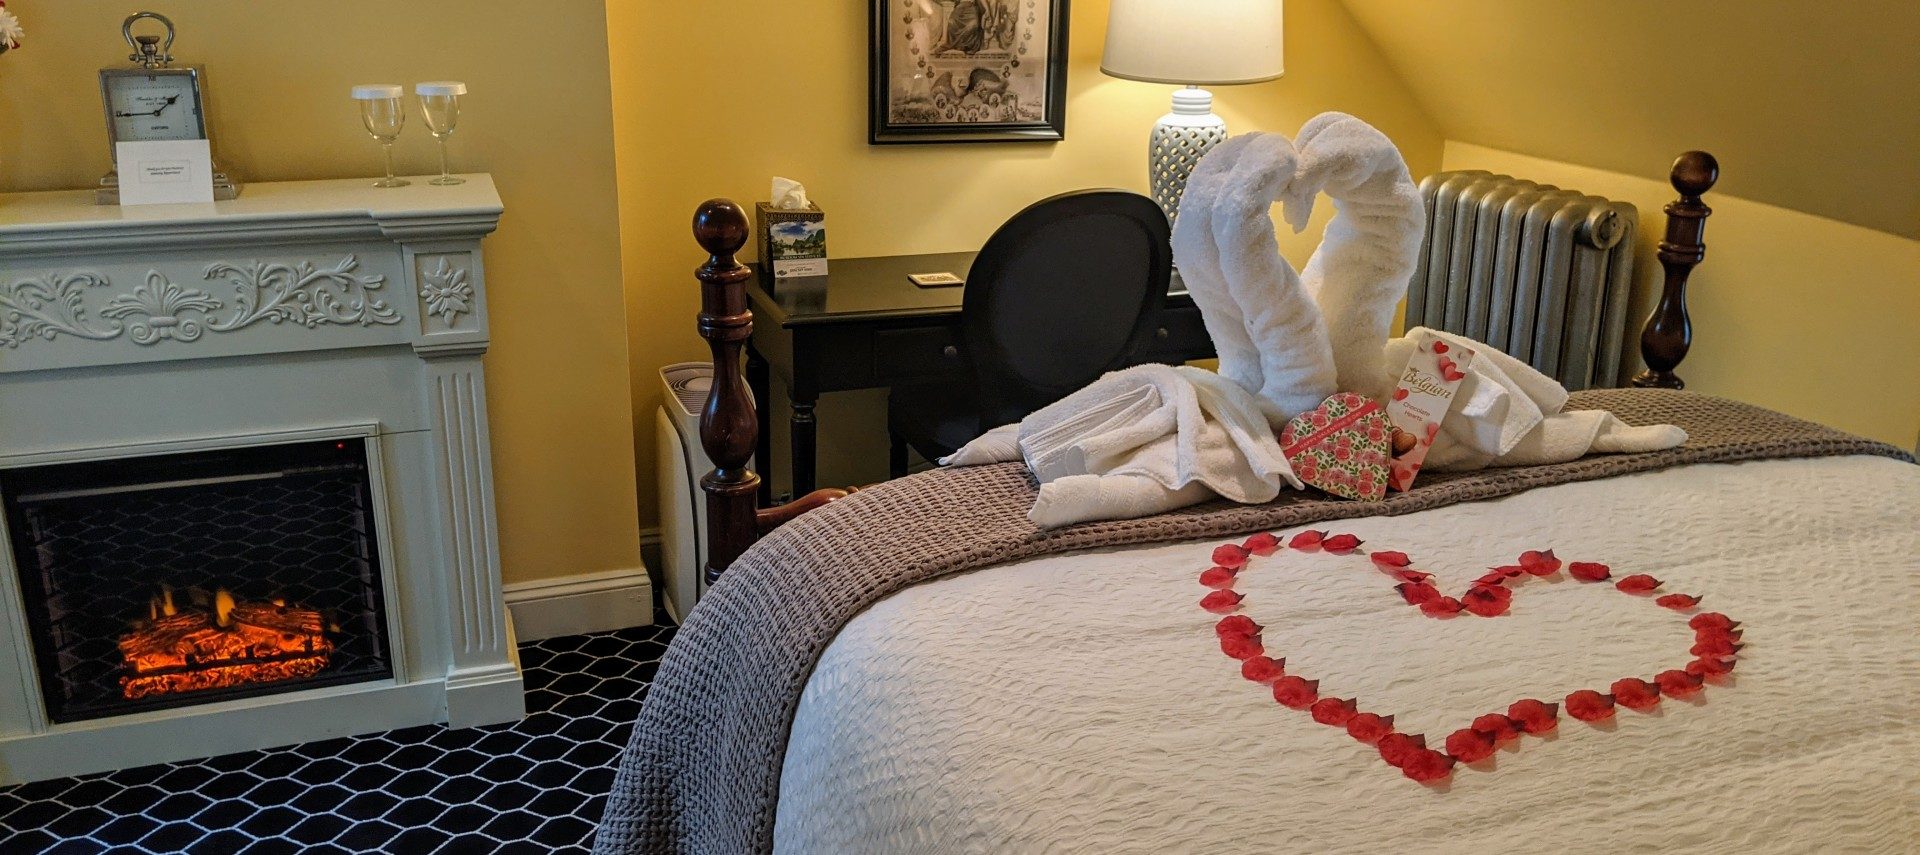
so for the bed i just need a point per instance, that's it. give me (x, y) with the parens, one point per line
(915, 668)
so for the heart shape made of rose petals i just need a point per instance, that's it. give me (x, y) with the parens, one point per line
(1717, 644)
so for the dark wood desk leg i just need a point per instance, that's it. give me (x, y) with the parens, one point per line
(802, 429)
(760, 381)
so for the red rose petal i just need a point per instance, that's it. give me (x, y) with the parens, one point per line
(1240, 624)
(1589, 705)
(1221, 602)
(1718, 648)
(1482, 601)
(1534, 716)
(1494, 577)
(1412, 575)
(1635, 693)
(1678, 602)
(1709, 667)
(1241, 646)
(1230, 556)
(1508, 570)
(1333, 711)
(1391, 560)
(1539, 563)
(1638, 583)
(1217, 577)
(1417, 593)
(1441, 607)
(1717, 634)
(1678, 684)
(1712, 620)
(1368, 727)
(1307, 539)
(1262, 669)
(1341, 544)
(1427, 766)
(1397, 748)
(1295, 693)
(1589, 571)
(1469, 746)
(1498, 727)
(1263, 543)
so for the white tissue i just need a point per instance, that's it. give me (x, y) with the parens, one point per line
(789, 195)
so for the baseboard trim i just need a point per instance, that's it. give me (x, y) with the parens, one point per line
(587, 602)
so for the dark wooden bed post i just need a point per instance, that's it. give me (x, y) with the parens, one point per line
(729, 427)
(1668, 333)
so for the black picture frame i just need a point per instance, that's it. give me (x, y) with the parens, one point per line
(998, 40)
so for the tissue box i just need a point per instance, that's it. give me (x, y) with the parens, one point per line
(1341, 446)
(793, 242)
(1420, 401)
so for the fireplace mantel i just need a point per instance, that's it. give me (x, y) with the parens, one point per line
(299, 311)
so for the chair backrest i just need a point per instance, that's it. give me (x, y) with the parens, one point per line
(1063, 292)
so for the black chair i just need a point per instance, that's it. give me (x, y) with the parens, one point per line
(1067, 290)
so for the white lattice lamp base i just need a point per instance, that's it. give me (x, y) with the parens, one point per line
(1178, 142)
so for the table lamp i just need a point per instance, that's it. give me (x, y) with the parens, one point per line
(1194, 43)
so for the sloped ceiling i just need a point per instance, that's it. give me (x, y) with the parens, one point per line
(1812, 106)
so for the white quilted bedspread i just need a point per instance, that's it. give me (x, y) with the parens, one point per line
(1081, 704)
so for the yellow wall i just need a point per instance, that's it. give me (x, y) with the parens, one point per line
(1809, 105)
(538, 119)
(1803, 314)
(712, 99)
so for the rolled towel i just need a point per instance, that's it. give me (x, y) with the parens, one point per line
(1267, 329)
(1087, 498)
(1371, 246)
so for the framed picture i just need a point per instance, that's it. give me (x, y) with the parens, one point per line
(947, 71)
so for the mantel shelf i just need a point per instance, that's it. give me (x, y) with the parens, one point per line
(64, 220)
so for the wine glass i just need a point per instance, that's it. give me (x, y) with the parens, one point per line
(440, 101)
(384, 114)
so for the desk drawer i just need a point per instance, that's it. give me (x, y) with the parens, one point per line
(917, 354)
(1179, 336)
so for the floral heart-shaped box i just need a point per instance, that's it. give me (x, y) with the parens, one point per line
(1344, 446)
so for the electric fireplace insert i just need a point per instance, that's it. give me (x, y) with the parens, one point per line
(163, 581)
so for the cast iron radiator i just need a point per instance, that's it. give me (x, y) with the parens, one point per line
(1539, 272)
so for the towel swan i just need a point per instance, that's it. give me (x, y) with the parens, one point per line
(1286, 341)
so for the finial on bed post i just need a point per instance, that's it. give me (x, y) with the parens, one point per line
(728, 428)
(1668, 333)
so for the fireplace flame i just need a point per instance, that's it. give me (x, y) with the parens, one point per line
(223, 609)
(234, 643)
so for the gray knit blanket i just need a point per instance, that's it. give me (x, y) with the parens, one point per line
(702, 771)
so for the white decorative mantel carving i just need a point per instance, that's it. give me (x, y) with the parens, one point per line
(446, 291)
(300, 310)
(157, 310)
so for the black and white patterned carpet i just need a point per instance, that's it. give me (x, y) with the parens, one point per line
(535, 786)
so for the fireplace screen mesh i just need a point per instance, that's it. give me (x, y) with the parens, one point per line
(180, 579)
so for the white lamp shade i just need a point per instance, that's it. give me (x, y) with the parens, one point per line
(1194, 42)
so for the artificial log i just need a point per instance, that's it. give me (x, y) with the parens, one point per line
(234, 645)
(1669, 333)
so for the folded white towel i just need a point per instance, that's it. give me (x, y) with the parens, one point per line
(1139, 441)
(1267, 330)
(1506, 413)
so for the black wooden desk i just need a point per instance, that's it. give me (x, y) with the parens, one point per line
(864, 326)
